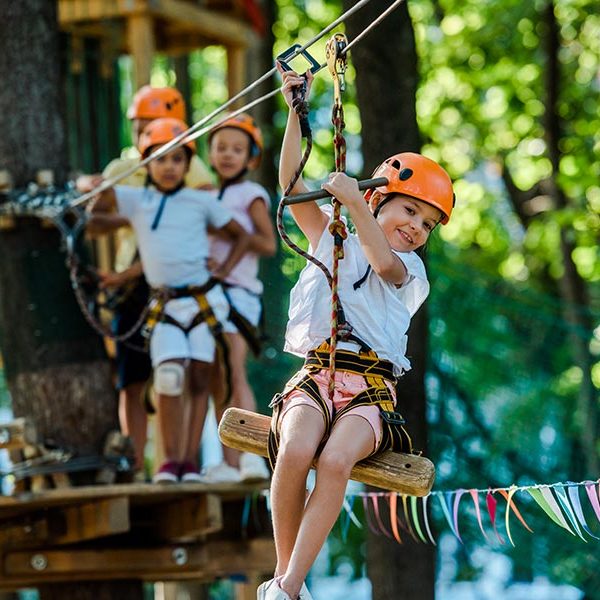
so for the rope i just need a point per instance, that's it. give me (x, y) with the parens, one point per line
(336, 61)
(300, 106)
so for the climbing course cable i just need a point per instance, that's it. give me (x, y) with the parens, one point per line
(198, 129)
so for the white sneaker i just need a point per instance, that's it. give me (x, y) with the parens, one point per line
(304, 593)
(270, 590)
(253, 468)
(221, 473)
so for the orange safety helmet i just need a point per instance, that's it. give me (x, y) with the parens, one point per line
(247, 124)
(156, 103)
(162, 131)
(419, 177)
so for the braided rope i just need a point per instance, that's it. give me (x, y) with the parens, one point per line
(300, 106)
(338, 230)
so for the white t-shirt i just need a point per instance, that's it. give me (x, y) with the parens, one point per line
(378, 311)
(175, 253)
(237, 198)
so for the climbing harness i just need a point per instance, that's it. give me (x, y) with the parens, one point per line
(379, 376)
(160, 296)
(252, 334)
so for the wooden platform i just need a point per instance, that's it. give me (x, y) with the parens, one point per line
(402, 473)
(132, 531)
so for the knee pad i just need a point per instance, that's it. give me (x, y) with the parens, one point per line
(169, 378)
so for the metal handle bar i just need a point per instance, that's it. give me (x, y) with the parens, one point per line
(365, 184)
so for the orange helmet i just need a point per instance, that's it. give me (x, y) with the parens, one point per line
(417, 176)
(162, 131)
(157, 103)
(247, 124)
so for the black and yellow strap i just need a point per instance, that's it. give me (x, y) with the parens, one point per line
(216, 329)
(156, 314)
(365, 363)
(253, 335)
(376, 373)
(303, 382)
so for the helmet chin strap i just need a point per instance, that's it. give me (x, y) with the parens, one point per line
(163, 200)
(227, 182)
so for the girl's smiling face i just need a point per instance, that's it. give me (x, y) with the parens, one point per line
(229, 152)
(168, 171)
(407, 222)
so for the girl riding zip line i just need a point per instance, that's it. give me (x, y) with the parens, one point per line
(382, 283)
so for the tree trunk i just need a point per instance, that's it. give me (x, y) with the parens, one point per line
(572, 286)
(56, 369)
(386, 81)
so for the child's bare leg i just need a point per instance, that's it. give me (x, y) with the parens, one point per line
(133, 419)
(241, 392)
(325, 502)
(199, 378)
(302, 430)
(170, 409)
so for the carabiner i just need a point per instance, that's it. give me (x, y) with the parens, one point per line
(337, 63)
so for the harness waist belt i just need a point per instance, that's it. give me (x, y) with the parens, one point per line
(185, 291)
(352, 363)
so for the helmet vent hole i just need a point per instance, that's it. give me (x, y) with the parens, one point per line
(396, 164)
(405, 174)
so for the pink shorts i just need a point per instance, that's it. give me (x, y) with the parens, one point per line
(347, 385)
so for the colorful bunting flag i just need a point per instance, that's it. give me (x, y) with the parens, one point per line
(560, 501)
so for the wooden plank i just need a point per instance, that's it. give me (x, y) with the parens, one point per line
(76, 11)
(68, 525)
(203, 562)
(138, 494)
(402, 473)
(188, 518)
(219, 27)
(18, 433)
(91, 520)
(30, 530)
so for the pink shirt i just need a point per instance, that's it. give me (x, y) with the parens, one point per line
(237, 199)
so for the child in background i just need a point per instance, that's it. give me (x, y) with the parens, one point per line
(171, 224)
(132, 363)
(382, 283)
(234, 148)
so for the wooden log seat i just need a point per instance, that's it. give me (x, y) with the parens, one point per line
(403, 473)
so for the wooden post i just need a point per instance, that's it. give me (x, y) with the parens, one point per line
(142, 46)
(236, 69)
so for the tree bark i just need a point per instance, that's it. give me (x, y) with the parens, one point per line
(386, 81)
(572, 286)
(56, 369)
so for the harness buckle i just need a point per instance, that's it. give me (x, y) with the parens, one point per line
(392, 417)
(277, 399)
